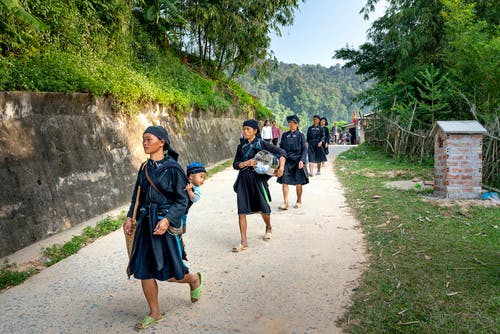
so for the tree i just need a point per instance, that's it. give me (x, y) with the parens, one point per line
(14, 8)
(233, 34)
(472, 55)
(409, 34)
(162, 17)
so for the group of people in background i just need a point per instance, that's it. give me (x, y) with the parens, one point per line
(163, 194)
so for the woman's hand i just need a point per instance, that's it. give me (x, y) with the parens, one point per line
(248, 163)
(301, 164)
(320, 144)
(161, 227)
(127, 227)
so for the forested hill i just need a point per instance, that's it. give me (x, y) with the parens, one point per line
(307, 90)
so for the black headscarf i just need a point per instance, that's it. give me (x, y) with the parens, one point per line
(251, 123)
(292, 118)
(161, 133)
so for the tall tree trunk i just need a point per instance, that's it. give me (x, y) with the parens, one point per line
(200, 49)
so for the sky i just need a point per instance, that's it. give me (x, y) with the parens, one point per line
(321, 27)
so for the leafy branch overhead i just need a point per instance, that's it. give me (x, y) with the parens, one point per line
(133, 49)
(14, 8)
(455, 41)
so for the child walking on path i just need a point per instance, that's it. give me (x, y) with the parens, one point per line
(251, 188)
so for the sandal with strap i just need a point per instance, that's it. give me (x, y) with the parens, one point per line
(283, 207)
(196, 293)
(268, 236)
(239, 248)
(297, 205)
(147, 322)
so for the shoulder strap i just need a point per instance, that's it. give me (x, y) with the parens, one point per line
(151, 181)
(163, 167)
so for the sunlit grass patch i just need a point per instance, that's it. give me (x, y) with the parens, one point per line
(433, 268)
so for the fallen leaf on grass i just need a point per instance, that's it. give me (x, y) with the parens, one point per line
(401, 312)
(453, 293)
(394, 254)
(376, 196)
(408, 323)
(427, 257)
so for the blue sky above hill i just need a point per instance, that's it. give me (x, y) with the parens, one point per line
(320, 28)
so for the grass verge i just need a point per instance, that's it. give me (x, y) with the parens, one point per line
(9, 276)
(214, 170)
(434, 264)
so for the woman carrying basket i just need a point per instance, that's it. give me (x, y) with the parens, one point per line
(156, 251)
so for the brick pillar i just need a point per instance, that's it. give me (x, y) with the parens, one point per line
(458, 159)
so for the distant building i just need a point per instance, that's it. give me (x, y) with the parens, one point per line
(357, 130)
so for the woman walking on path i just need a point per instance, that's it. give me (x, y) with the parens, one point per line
(276, 133)
(156, 251)
(267, 132)
(315, 140)
(324, 124)
(335, 131)
(295, 173)
(251, 188)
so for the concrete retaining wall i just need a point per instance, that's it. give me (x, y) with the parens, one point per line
(65, 158)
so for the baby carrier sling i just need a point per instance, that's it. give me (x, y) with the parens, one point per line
(154, 207)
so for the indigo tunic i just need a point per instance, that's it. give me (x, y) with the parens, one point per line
(159, 256)
(252, 190)
(295, 146)
(327, 140)
(315, 135)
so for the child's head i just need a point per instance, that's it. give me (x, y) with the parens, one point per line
(196, 173)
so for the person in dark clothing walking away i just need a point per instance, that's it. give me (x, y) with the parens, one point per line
(252, 190)
(295, 172)
(156, 250)
(315, 140)
(324, 124)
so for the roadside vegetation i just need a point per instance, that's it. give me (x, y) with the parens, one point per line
(10, 275)
(136, 51)
(433, 264)
(439, 63)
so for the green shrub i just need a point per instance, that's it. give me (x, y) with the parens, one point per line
(11, 277)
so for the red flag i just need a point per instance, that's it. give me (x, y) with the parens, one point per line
(354, 118)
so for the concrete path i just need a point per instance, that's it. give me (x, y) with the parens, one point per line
(300, 282)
